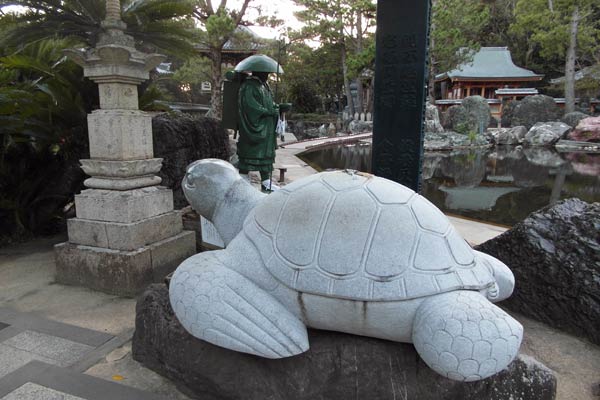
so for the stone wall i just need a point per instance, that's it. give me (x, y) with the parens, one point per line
(181, 139)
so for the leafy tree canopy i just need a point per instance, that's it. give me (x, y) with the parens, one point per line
(543, 26)
(456, 25)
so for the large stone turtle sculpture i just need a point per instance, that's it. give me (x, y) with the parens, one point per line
(341, 251)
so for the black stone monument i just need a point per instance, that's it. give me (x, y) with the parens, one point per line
(400, 79)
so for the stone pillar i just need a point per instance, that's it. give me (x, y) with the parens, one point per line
(126, 233)
(400, 89)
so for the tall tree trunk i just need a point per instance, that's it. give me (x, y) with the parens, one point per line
(216, 101)
(359, 48)
(570, 62)
(351, 108)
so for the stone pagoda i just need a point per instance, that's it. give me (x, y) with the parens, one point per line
(126, 234)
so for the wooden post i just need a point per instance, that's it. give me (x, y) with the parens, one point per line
(400, 87)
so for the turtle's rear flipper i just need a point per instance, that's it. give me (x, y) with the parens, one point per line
(464, 337)
(222, 307)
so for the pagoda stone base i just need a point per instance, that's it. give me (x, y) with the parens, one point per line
(124, 236)
(119, 272)
(125, 207)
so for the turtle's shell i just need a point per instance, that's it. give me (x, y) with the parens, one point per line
(360, 237)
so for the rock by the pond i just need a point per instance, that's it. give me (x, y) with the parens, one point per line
(588, 130)
(432, 119)
(357, 126)
(456, 117)
(436, 142)
(338, 366)
(451, 140)
(472, 115)
(478, 111)
(555, 256)
(331, 131)
(323, 130)
(303, 129)
(546, 133)
(510, 136)
(572, 119)
(529, 111)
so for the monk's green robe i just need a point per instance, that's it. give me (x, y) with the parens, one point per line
(257, 122)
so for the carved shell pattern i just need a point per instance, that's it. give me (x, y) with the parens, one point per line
(360, 237)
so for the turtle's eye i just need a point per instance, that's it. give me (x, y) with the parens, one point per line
(189, 181)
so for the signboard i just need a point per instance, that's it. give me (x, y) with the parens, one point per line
(400, 87)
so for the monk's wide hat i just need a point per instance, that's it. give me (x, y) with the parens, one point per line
(259, 63)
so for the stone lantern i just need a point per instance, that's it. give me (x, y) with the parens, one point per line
(126, 233)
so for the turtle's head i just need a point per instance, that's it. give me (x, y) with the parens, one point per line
(206, 183)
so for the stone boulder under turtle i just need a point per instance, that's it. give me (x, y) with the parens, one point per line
(555, 256)
(338, 366)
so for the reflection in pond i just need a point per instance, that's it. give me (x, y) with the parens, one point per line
(501, 185)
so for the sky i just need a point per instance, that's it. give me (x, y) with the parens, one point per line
(12, 8)
(283, 9)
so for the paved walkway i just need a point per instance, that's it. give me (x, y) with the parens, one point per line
(64, 342)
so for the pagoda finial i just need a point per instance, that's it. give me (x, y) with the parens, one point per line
(114, 27)
(113, 10)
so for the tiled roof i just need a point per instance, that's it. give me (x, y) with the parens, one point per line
(490, 62)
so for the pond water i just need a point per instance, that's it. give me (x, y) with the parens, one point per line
(501, 185)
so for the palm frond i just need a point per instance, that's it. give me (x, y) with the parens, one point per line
(79, 20)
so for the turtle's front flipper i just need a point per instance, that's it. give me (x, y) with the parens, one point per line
(224, 308)
(464, 337)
